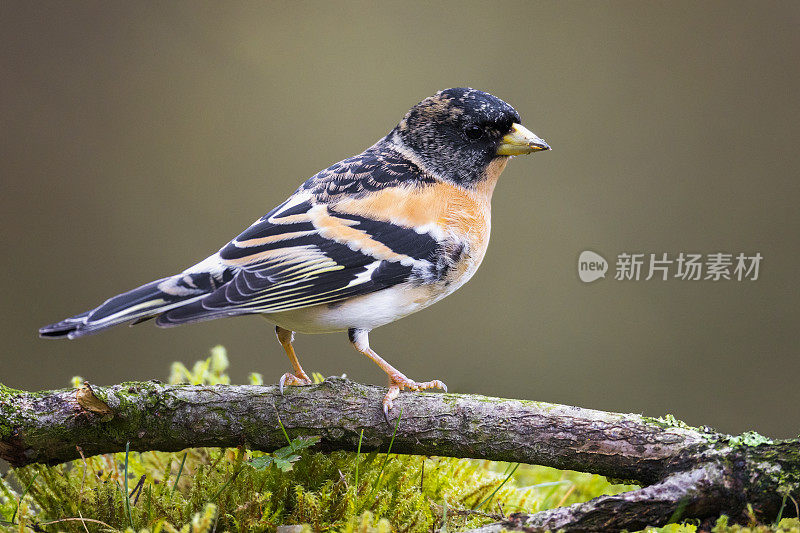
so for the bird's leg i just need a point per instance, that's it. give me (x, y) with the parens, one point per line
(397, 381)
(285, 337)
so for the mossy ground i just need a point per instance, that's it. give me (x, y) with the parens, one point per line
(203, 489)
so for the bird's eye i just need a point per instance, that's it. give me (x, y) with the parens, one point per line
(473, 132)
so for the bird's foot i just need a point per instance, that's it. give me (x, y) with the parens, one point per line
(290, 379)
(398, 382)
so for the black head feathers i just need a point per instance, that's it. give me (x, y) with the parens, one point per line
(456, 132)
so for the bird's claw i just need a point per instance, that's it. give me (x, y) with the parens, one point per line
(290, 379)
(386, 407)
(399, 382)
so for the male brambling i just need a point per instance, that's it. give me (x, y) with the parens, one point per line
(369, 240)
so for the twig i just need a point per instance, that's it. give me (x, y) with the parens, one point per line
(51, 522)
(468, 512)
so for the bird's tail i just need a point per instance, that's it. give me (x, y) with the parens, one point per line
(137, 305)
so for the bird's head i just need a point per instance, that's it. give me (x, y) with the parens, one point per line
(458, 132)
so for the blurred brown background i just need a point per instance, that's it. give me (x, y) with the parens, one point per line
(137, 138)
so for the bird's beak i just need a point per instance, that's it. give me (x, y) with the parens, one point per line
(521, 141)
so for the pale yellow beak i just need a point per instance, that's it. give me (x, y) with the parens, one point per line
(521, 141)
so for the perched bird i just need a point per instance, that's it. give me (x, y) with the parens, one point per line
(366, 241)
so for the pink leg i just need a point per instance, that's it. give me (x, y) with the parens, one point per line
(285, 337)
(397, 381)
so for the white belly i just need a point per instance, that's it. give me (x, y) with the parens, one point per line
(370, 310)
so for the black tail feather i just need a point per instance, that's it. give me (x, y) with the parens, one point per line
(138, 305)
(63, 328)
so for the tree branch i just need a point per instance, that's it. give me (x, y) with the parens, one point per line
(691, 472)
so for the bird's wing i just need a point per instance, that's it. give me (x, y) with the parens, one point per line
(306, 253)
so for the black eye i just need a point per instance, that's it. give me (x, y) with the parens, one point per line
(473, 132)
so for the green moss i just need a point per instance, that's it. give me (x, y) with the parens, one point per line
(6, 396)
(6, 392)
(319, 490)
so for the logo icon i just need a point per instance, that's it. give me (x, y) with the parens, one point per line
(591, 266)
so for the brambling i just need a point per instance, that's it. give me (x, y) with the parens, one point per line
(366, 241)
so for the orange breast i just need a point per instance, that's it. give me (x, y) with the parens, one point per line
(444, 207)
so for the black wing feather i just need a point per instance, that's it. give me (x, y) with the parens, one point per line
(332, 272)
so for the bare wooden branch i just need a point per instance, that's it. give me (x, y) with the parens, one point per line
(699, 492)
(687, 472)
